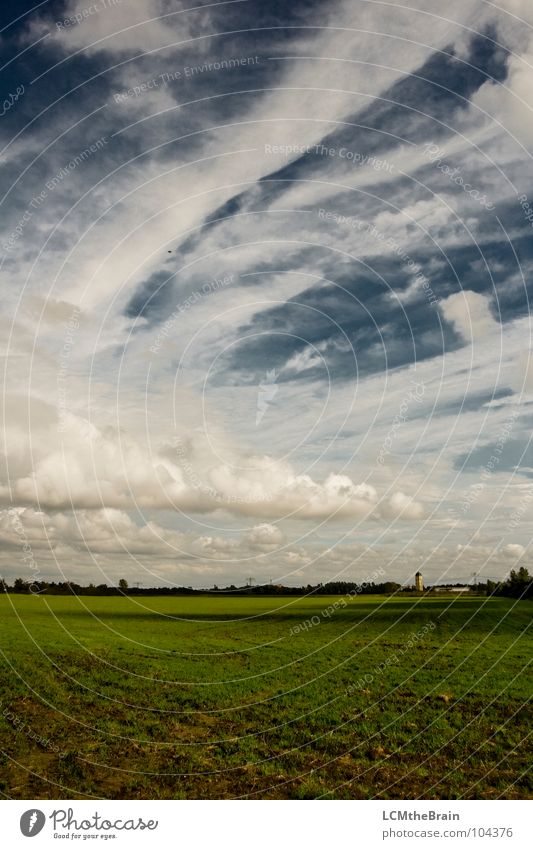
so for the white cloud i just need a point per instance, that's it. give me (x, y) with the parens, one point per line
(84, 467)
(514, 550)
(511, 103)
(265, 536)
(117, 26)
(306, 359)
(470, 314)
(402, 506)
(524, 373)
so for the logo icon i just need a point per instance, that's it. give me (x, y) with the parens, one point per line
(32, 822)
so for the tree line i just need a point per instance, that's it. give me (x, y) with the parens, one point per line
(123, 588)
(519, 584)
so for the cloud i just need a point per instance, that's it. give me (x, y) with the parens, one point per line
(273, 490)
(265, 537)
(512, 105)
(514, 551)
(84, 467)
(117, 26)
(359, 323)
(470, 314)
(309, 358)
(524, 373)
(402, 506)
(103, 531)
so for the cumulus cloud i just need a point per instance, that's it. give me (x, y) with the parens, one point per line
(103, 531)
(84, 467)
(265, 536)
(514, 550)
(273, 489)
(402, 506)
(470, 314)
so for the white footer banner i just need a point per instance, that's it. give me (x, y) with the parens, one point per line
(268, 825)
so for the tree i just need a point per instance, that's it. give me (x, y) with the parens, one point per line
(123, 585)
(518, 585)
(492, 587)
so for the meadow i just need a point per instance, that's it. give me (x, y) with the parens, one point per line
(265, 698)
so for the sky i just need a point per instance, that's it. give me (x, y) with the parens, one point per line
(265, 277)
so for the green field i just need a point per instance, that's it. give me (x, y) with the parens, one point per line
(203, 697)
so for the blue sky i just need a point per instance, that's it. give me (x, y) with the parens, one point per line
(266, 274)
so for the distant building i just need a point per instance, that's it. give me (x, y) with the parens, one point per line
(419, 582)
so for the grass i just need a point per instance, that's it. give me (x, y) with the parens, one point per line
(203, 697)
